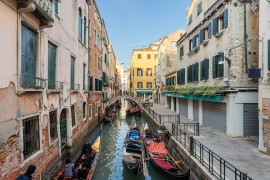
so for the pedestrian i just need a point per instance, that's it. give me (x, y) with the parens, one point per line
(69, 169)
(28, 174)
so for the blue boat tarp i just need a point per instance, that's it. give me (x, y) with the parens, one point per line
(95, 137)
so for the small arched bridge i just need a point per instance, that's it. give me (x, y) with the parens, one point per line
(113, 100)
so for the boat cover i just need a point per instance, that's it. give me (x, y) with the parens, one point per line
(134, 134)
(157, 148)
(96, 144)
(161, 162)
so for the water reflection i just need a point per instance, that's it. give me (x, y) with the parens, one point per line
(110, 164)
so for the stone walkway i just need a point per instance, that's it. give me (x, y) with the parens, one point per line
(242, 153)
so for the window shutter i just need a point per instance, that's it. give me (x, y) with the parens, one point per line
(202, 70)
(196, 71)
(215, 26)
(225, 19)
(202, 35)
(178, 77)
(51, 66)
(268, 55)
(194, 44)
(209, 31)
(220, 70)
(206, 69)
(183, 76)
(214, 67)
(72, 73)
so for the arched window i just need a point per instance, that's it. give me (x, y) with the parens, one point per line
(80, 24)
(84, 30)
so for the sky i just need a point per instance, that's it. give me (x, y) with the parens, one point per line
(136, 23)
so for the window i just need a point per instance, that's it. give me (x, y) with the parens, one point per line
(217, 67)
(190, 44)
(181, 51)
(170, 81)
(148, 56)
(204, 69)
(148, 72)
(99, 64)
(190, 19)
(53, 125)
(193, 73)
(28, 58)
(199, 8)
(51, 66)
(220, 23)
(84, 31)
(84, 110)
(139, 85)
(156, 56)
(72, 73)
(139, 72)
(80, 25)
(149, 85)
(95, 36)
(98, 84)
(31, 136)
(84, 69)
(173, 46)
(90, 82)
(202, 35)
(181, 76)
(73, 116)
(139, 56)
(90, 112)
(96, 108)
(56, 6)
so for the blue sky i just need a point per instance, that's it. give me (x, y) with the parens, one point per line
(136, 23)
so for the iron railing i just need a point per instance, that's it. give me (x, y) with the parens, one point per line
(28, 82)
(190, 128)
(55, 85)
(214, 163)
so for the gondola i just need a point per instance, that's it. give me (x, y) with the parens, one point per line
(133, 150)
(110, 119)
(160, 157)
(93, 158)
(133, 110)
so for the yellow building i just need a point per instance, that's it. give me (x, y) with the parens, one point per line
(142, 67)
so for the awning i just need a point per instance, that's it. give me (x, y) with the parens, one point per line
(144, 91)
(216, 98)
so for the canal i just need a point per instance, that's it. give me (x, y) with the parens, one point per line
(110, 164)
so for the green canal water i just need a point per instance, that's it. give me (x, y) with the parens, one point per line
(110, 164)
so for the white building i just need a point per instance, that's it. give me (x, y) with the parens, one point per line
(125, 82)
(120, 68)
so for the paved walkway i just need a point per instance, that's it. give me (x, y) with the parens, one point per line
(242, 153)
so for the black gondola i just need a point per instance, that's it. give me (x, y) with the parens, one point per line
(160, 156)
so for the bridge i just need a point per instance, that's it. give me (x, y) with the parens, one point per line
(135, 100)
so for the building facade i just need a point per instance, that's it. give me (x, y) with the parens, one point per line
(142, 65)
(264, 63)
(120, 69)
(218, 67)
(43, 118)
(112, 78)
(125, 82)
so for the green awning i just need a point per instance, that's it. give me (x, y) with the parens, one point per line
(144, 91)
(216, 98)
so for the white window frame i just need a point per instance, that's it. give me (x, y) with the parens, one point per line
(90, 111)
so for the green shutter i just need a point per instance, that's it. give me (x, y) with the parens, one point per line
(51, 66)
(206, 69)
(215, 26)
(197, 72)
(90, 81)
(84, 67)
(72, 73)
(220, 70)
(80, 27)
(202, 35)
(225, 19)
(194, 43)
(183, 76)
(214, 67)
(268, 55)
(202, 70)
(178, 77)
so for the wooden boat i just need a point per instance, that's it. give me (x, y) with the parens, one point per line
(133, 110)
(90, 169)
(110, 119)
(160, 157)
(133, 150)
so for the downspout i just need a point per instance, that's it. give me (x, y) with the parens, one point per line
(245, 34)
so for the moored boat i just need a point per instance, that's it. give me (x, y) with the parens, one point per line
(110, 117)
(160, 157)
(86, 162)
(133, 110)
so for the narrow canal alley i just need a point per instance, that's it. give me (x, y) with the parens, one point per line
(110, 164)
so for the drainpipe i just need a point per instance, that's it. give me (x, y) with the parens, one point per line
(245, 34)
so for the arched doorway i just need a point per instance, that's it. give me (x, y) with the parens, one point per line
(63, 133)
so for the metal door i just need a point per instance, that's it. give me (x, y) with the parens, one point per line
(183, 105)
(196, 110)
(251, 120)
(214, 115)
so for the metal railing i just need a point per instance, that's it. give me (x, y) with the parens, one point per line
(55, 85)
(75, 87)
(214, 163)
(190, 128)
(28, 82)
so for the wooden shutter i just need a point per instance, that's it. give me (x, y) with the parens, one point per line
(268, 55)
(84, 67)
(178, 76)
(72, 73)
(90, 81)
(225, 19)
(206, 69)
(202, 35)
(209, 31)
(51, 66)
(214, 67)
(183, 76)
(196, 73)
(215, 26)
(202, 70)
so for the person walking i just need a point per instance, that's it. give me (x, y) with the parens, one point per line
(28, 174)
(69, 169)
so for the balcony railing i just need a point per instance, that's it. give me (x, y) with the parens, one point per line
(42, 9)
(75, 87)
(55, 85)
(28, 82)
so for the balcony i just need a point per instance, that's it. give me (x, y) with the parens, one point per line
(55, 86)
(75, 87)
(28, 83)
(42, 9)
